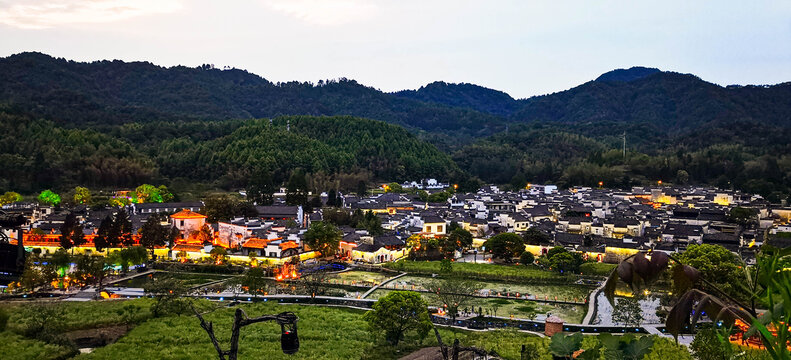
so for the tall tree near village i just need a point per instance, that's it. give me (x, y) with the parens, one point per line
(153, 233)
(102, 240)
(123, 227)
(261, 188)
(297, 188)
(323, 237)
(71, 232)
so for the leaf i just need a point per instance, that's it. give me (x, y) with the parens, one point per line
(593, 353)
(681, 278)
(639, 348)
(659, 261)
(565, 345)
(626, 271)
(610, 285)
(641, 265)
(679, 313)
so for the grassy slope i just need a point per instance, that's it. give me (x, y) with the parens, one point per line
(325, 333)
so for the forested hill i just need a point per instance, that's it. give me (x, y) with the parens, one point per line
(115, 92)
(464, 95)
(336, 152)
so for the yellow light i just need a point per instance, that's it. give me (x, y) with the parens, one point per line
(601, 183)
(659, 182)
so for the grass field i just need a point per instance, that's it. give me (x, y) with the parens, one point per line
(324, 332)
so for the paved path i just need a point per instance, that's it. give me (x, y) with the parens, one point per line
(592, 304)
(380, 284)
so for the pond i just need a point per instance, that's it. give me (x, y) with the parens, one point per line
(604, 310)
(190, 279)
(522, 309)
(570, 292)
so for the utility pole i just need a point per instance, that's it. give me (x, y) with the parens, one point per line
(624, 144)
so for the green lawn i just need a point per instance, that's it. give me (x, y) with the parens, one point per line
(597, 269)
(82, 315)
(16, 347)
(519, 273)
(325, 333)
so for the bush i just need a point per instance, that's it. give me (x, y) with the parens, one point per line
(596, 268)
(527, 258)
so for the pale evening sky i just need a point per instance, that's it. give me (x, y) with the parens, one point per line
(522, 47)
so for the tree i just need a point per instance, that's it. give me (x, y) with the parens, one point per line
(48, 197)
(527, 258)
(742, 216)
(710, 345)
(459, 239)
(682, 177)
(297, 188)
(82, 195)
(102, 240)
(370, 222)
(261, 187)
(394, 187)
(255, 280)
(627, 312)
(71, 232)
(148, 193)
(10, 197)
(717, 265)
(168, 293)
(505, 246)
(313, 280)
(565, 261)
(362, 189)
(397, 313)
(323, 237)
(219, 255)
(221, 207)
(332, 198)
(153, 233)
(534, 236)
(92, 268)
(453, 293)
(122, 226)
(129, 314)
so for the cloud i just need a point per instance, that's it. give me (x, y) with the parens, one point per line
(42, 14)
(325, 12)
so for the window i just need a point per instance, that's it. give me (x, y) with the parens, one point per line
(428, 228)
(181, 222)
(439, 228)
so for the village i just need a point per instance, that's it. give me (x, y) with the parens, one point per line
(605, 225)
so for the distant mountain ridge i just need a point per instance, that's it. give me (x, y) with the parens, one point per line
(673, 121)
(626, 75)
(464, 95)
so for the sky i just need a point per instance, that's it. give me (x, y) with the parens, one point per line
(524, 48)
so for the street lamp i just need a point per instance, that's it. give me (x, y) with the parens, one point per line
(289, 340)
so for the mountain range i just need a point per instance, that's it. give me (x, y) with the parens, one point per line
(676, 122)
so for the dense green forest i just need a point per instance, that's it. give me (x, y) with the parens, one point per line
(340, 151)
(113, 123)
